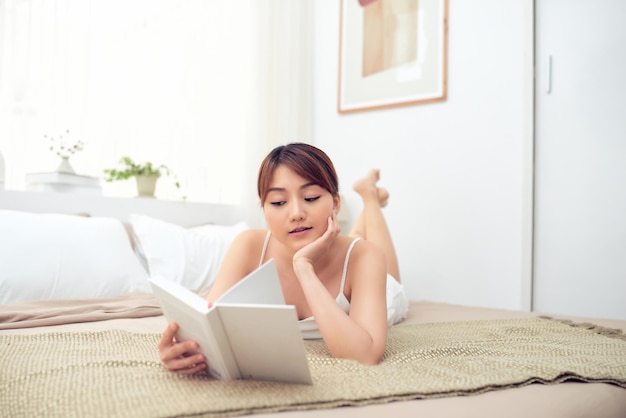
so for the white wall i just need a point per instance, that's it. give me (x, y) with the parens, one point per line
(458, 171)
(142, 79)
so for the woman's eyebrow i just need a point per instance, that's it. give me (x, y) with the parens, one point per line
(282, 189)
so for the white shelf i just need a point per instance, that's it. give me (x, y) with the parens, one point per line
(179, 212)
(63, 183)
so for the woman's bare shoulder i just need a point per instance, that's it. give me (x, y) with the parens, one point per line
(361, 245)
(252, 235)
(250, 240)
(366, 250)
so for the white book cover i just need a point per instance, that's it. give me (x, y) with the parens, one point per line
(248, 333)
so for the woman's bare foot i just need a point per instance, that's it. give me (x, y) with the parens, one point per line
(366, 187)
(383, 196)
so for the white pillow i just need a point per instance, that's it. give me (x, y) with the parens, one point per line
(188, 256)
(55, 256)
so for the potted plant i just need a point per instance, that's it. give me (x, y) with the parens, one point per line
(145, 174)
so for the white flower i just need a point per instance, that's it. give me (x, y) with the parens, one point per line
(64, 147)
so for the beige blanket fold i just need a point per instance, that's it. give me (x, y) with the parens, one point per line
(117, 373)
(42, 313)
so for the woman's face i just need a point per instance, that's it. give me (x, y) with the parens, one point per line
(296, 210)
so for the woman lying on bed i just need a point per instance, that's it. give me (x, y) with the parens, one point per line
(343, 303)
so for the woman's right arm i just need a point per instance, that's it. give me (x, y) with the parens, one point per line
(237, 264)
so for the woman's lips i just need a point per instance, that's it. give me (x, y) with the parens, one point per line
(299, 230)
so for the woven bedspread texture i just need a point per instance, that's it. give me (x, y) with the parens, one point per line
(118, 373)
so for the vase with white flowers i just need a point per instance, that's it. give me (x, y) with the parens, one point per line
(64, 147)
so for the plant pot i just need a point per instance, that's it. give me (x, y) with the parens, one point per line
(146, 185)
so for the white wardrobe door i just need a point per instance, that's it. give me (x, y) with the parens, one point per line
(580, 158)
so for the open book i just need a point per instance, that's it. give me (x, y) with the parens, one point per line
(248, 333)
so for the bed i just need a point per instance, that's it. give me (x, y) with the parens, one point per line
(70, 349)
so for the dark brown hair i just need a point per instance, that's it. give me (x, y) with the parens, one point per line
(307, 161)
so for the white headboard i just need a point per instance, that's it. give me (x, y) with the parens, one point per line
(179, 212)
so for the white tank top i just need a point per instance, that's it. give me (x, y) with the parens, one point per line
(308, 326)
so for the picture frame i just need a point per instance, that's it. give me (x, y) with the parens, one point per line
(392, 53)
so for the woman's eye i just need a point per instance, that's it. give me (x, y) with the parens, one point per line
(278, 203)
(312, 199)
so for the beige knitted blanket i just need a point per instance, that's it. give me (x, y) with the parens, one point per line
(117, 373)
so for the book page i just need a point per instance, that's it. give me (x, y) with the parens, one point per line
(260, 286)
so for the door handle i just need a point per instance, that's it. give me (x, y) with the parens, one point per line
(549, 75)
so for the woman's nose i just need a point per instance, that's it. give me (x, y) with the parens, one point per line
(297, 212)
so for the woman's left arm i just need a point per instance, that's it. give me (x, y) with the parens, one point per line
(361, 335)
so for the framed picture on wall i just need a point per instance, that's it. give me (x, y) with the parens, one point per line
(392, 53)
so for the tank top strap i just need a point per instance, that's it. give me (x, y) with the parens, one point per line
(345, 265)
(267, 240)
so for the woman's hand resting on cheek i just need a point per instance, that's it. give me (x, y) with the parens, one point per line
(173, 356)
(306, 256)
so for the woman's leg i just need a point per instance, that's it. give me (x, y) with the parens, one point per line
(371, 224)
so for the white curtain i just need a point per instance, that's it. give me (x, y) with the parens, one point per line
(282, 87)
(205, 87)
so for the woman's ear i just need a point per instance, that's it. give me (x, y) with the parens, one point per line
(337, 202)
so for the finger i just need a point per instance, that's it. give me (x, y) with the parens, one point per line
(179, 350)
(167, 338)
(333, 224)
(186, 363)
(194, 368)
